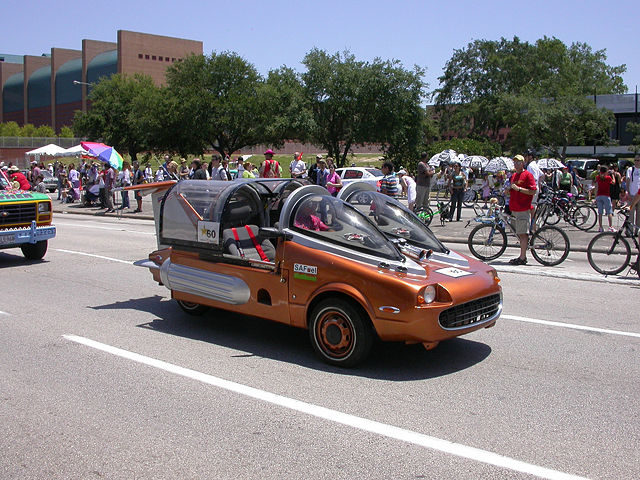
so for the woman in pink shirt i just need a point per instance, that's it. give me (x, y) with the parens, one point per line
(334, 183)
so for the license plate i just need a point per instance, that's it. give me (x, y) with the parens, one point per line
(6, 239)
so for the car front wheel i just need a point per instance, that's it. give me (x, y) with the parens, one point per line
(339, 333)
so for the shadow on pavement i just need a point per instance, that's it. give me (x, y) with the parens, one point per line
(262, 338)
(13, 258)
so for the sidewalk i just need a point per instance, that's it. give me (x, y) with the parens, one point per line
(450, 232)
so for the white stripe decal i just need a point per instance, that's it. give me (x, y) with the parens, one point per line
(570, 325)
(364, 424)
(92, 255)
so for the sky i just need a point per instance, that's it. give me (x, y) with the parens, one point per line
(270, 34)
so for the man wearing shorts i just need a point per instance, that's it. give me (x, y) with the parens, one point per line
(522, 189)
(534, 169)
(603, 197)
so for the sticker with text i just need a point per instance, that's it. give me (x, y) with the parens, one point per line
(305, 272)
(453, 272)
(208, 232)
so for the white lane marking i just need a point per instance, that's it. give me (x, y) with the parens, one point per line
(360, 423)
(4, 313)
(97, 227)
(570, 325)
(93, 255)
(585, 277)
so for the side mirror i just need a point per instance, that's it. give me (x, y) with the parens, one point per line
(270, 232)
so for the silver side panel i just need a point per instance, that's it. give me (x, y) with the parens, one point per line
(221, 288)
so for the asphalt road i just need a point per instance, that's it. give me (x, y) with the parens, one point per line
(165, 395)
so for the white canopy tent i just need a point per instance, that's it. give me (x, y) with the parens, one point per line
(72, 152)
(50, 149)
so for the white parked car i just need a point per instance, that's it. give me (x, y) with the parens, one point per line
(360, 174)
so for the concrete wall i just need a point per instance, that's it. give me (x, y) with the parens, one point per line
(31, 64)
(90, 49)
(60, 56)
(152, 54)
(6, 71)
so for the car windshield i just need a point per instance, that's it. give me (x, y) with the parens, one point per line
(375, 172)
(338, 222)
(396, 221)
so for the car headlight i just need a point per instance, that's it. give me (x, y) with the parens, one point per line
(427, 295)
(44, 207)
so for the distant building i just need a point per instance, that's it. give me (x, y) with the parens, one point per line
(48, 89)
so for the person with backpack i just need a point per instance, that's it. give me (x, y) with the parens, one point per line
(270, 168)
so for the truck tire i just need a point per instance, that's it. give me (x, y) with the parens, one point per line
(34, 251)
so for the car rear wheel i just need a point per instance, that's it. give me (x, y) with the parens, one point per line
(192, 308)
(34, 251)
(340, 333)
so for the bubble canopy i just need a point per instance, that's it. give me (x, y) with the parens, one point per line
(195, 212)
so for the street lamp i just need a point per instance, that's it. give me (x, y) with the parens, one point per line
(76, 82)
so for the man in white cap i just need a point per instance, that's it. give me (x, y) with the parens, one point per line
(34, 173)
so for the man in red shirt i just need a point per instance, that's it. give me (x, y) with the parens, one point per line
(603, 197)
(15, 175)
(523, 188)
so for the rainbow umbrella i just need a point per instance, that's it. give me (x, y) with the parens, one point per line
(104, 152)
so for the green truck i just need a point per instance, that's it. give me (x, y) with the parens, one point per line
(25, 220)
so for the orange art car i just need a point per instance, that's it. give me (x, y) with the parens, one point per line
(348, 269)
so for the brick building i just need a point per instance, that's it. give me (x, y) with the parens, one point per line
(48, 89)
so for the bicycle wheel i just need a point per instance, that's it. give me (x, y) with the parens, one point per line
(541, 214)
(553, 215)
(549, 246)
(608, 253)
(500, 198)
(584, 217)
(425, 214)
(487, 242)
(469, 198)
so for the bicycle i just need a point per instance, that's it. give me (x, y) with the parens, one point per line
(556, 205)
(549, 245)
(609, 253)
(425, 214)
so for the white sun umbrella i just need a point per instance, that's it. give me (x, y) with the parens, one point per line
(550, 163)
(499, 163)
(446, 156)
(462, 159)
(475, 161)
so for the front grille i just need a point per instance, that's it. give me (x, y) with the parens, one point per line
(470, 313)
(17, 213)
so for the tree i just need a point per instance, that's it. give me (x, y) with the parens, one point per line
(354, 102)
(555, 123)
(121, 113)
(44, 131)
(28, 130)
(477, 79)
(634, 129)
(282, 96)
(66, 132)
(9, 129)
(216, 102)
